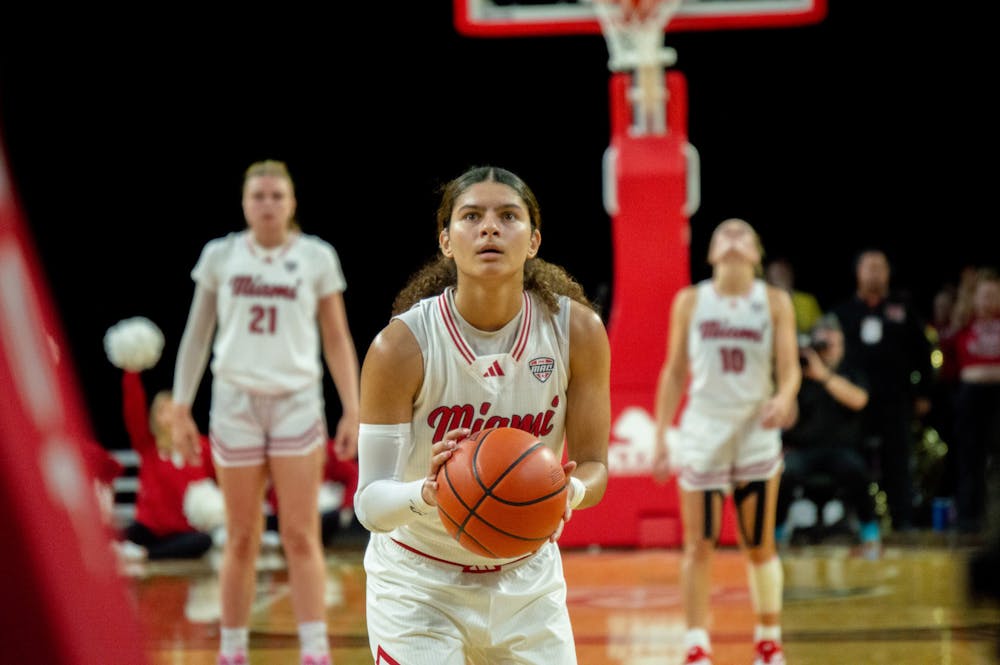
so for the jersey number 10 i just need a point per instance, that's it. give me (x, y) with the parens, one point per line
(733, 359)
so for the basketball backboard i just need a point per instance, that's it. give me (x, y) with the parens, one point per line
(511, 18)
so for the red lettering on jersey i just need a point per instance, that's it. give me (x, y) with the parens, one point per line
(719, 330)
(246, 285)
(443, 419)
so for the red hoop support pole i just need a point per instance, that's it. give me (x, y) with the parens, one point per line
(648, 178)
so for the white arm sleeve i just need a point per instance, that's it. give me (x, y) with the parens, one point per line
(195, 346)
(383, 501)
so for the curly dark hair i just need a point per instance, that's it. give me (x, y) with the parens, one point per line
(546, 280)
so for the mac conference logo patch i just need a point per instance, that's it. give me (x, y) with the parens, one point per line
(542, 368)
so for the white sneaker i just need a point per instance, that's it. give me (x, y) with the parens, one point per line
(698, 656)
(768, 652)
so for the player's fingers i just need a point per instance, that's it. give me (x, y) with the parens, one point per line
(442, 446)
(661, 471)
(345, 443)
(195, 457)
(441, 452)
(457, 434)
(769, 415)
(341, 447)
(429, 491)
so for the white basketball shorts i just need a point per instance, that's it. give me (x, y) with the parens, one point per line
(719, 446)
(427, 612)
(246, 428)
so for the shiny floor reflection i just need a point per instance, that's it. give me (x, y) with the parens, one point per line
(907, 606)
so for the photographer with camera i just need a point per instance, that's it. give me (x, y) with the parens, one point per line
(826, 438)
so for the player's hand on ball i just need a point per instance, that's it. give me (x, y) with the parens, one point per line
(440, 452)
(568, 468)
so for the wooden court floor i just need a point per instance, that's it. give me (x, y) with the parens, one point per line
(908, 605)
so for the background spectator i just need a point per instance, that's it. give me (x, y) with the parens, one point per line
(885, 337)
(780, 272)
(941, 475)
(826, 439)
(962, 309)
(972, 354)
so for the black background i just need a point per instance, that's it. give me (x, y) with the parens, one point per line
(127, 135)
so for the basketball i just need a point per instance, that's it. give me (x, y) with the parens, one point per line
(502, 493)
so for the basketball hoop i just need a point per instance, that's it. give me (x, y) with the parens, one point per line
(633, 30)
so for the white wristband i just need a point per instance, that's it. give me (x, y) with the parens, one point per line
(579, 491)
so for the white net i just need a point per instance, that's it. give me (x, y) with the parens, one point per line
(634, 30)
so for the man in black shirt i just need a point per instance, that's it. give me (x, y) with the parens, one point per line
(886, 338)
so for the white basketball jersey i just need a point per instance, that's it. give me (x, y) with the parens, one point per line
(267, 340)
(730, 346)
(513, 377)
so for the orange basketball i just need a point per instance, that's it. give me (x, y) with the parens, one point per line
(502, 493)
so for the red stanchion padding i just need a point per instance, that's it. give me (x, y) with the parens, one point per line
(66, 602)
(651, 262)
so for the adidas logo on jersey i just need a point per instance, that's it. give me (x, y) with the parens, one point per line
(494, 370)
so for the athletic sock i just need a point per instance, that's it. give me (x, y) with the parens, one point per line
(313, 640)
(696, 637)
(761, 632)
(234, 641)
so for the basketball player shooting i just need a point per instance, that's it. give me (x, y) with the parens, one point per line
(480, 338)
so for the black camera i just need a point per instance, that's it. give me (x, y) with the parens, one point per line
(817, 345)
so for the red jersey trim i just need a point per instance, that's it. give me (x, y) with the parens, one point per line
(463, 347)
(522, 339)
(475, 570)
(456, 336)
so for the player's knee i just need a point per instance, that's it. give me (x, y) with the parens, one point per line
(699, 548)
(242, 543)
(296, 539)
(750, 506)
